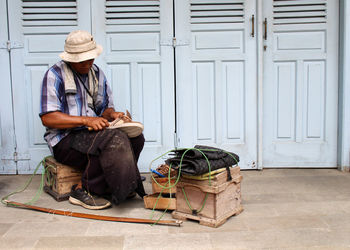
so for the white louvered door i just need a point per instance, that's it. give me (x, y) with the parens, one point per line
(300, 83)
(138, 60)
(39, 29)
(216, 73)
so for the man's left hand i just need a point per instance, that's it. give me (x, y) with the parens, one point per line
(117, 115)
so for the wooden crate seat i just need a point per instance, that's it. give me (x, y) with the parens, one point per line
(60, 178)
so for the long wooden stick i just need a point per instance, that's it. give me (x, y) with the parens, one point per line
(94, 216)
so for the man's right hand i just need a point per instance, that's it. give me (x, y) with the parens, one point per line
(95, 123)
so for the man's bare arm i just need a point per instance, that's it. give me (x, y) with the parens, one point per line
(59, 120)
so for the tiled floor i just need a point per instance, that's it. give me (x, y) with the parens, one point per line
(283, 209)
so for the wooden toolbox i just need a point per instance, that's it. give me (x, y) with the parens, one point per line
(221, 199)
(60, 178)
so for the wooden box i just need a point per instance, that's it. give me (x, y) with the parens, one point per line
(164, 182)
(60, 178)
(223, 198)
(162, 203)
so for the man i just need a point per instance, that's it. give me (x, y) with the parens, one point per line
(75, 96)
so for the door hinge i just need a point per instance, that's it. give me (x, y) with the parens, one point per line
(176, 140)
(174, 42)
(15, 155)
(9, 45)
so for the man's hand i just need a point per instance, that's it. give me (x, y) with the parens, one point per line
(116, 115)
(121, 115)
(110, 114)
(95, 123)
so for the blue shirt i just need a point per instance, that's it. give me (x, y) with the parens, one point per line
(54, 98)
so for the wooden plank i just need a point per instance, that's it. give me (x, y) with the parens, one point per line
(217, 20)
(50, 23)
(225, 13)
(217, 2)
(299, 2)
(48, 10)
(196, 198)
(49, 4)
(162, 203)
(165, 183)
(133, 9)
(207, 221)
(43, 17)
(217, 7)
(131, 3)
(132, 21)
(216, 181)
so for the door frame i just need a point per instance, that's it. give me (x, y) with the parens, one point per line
(344, 87)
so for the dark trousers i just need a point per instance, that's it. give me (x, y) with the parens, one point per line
(108, 158)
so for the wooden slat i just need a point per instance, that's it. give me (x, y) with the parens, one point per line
(298, 2)
(131, 21)
(51, 16)
(132, 15)
(300, 20)
(129, 9)
(49, 4)
(299, 14)
(50, 23)
(48, 10)
(218, 20)
(130, 3)
(217, 7)
(217, 13)
(217, 2)
(300, 8)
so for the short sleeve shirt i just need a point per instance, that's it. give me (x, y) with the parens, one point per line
(54, 98)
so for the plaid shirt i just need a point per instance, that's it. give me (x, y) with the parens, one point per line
(54, 98)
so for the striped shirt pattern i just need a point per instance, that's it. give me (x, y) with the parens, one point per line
(54, 98)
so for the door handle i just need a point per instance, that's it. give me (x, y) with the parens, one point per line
(265, 29)
(253, 28)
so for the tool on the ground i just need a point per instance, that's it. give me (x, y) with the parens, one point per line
(93, 216)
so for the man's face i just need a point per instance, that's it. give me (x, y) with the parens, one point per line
(82, 67)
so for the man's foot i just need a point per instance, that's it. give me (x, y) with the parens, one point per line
(143, 178)
(81, 197)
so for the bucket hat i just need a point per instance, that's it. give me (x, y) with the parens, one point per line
(80, 46)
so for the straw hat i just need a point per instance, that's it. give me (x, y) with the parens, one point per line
(80, 46)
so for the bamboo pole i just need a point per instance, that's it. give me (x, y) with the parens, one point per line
(94, 216)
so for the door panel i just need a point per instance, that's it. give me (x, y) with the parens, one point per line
(138, 60)
(216, 76)
(7, 136)
(40, 28)
(300, 84)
